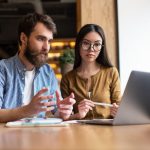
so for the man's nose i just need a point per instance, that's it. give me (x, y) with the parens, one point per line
(46, 45)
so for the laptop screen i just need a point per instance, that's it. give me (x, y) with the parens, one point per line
(135, 103)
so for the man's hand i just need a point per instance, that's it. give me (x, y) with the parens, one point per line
(36, 105)
(65, 106)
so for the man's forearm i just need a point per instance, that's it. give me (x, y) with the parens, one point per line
(13, 114)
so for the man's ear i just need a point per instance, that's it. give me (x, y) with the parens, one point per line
(23, 38)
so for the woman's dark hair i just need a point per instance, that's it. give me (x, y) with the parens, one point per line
(103, 56)
(29, 21)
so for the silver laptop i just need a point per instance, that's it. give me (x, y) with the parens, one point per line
(135, 104)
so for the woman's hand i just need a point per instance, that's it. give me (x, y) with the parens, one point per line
(114, 109)
(84, 107)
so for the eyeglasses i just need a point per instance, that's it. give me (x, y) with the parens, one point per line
(87, 45)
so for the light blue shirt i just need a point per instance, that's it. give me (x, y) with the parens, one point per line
(12, 82)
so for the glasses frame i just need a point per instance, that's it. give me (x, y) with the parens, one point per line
(91, 45)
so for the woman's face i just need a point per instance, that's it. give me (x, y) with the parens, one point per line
(90, 47)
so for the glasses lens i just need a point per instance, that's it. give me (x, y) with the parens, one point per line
(85, 45)
(97, 46)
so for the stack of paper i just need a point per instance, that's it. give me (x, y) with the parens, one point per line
(32, 122)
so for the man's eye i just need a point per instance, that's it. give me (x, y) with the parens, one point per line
(40, 39)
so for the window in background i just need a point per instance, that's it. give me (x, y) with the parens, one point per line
(134, 37)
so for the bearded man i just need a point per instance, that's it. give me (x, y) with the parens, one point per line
(28, 86)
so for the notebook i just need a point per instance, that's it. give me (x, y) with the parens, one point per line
(135, 104)
(35, 122)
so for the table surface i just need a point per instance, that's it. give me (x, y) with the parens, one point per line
(76, 137)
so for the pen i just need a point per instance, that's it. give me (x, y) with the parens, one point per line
(103, 104)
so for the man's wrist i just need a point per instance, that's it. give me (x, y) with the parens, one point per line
(57, 114)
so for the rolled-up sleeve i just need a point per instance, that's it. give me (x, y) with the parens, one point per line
(2, 81)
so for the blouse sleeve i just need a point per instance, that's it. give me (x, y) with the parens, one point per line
(115, 87)
(64, 86)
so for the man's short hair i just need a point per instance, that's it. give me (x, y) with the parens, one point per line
(29, 21)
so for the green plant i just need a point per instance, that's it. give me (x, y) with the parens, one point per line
(68, 56)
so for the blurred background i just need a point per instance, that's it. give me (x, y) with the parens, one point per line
(126, 25)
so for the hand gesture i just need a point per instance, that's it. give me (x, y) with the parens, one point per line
(36, 105)
(65, 106)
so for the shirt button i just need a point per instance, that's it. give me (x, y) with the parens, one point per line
(22, 78)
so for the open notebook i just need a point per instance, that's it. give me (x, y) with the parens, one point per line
(35, 122)
(135, 103)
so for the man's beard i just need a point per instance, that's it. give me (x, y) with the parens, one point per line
(34, 57)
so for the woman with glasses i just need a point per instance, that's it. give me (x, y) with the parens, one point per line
(93, 80)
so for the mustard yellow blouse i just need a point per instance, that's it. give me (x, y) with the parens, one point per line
(105, 88)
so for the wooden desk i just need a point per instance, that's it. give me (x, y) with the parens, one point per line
(76, 137)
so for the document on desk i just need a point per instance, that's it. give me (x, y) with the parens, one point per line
(36, 122)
